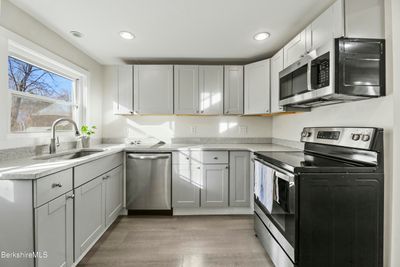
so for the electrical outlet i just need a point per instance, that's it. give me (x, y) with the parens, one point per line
(243, 130)
(193, 130)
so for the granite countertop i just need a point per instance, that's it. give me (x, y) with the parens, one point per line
(31, 168)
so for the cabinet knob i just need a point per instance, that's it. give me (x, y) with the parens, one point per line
(56, 185)
(215, 158)
(227, 167)
(106, 177)
(187, 158)
(71, 196)
(198, 168)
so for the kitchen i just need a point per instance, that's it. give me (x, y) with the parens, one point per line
(197, 140)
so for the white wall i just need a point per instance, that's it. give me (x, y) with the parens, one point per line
(22, 24)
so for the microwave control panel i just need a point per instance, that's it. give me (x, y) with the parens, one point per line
(320, 71)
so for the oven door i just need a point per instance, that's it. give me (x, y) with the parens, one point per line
(275, 196)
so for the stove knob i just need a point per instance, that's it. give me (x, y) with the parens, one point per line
(305, 134)
(355, 137)
(365, 137)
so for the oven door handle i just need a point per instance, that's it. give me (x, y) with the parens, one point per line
(278, 172)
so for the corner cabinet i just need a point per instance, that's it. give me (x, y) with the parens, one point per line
(153, 89)
(233, 90)
(276, 66)
(257, 88)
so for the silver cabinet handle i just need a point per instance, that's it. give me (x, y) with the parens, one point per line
(106, 177)
(215, 158)
(147, 157)
(56, 185)
(71, 196)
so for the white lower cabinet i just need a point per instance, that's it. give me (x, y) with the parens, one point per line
(89, 214)
(54, 232)
(214, 192)
(186, 184)
(97, 205)
(211, 179)
(239, 179)
(114, 184)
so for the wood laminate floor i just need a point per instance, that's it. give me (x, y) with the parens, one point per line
(183, 241)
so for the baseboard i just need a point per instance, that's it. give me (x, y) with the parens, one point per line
(213, 211)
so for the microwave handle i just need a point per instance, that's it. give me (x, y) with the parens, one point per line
(309, 75)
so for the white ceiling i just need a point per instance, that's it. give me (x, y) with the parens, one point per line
(175, 30)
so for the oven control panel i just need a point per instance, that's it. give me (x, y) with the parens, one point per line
(344, 136)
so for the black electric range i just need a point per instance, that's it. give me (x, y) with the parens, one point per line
(322, 206)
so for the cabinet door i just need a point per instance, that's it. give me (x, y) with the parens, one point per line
(214, 192)
(239, 179)
(54, 232)
(295, 49)
(186, 89)
(211, 87)
(113, 194)
(233, 90)
(276, 67)
(257, 87)
(186, 185)
(153, 89)
(325, 27)
(123, 81)
(89, 214)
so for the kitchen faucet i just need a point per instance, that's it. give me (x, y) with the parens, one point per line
(53, 144)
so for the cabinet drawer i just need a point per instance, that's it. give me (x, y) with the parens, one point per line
(206, 157)
(52, 186)
(88, 171)
(181, 157)
(210, 157)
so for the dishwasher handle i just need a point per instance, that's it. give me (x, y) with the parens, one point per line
(143, 157)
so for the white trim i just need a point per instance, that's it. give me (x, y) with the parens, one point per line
(213, 211)
(30, 52)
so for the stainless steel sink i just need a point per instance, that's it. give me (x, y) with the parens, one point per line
(72, 154)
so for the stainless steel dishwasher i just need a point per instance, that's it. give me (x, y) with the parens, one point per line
(148, 183)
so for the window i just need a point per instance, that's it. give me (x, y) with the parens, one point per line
(38, 97)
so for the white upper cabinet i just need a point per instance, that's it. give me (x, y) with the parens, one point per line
(211, 88)
(329, 25)
(276, 67)
(121, 80)
(186, 88)
(233, 90)
(153, 89)
(257, 87)
(295, 49)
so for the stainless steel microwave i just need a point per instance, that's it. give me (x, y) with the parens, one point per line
(345, 69)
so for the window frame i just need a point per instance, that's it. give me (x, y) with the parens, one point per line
(52, 64)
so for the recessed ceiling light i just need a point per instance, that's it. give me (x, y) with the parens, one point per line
(76, 34)
(126, 35)
(262, 36)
